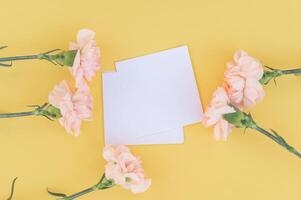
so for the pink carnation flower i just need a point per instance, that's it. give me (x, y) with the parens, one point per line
(74, 106)
(125, 169)
(86, 62)
(213, 115)
(242, 80)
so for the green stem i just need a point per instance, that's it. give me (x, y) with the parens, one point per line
(46, 110)
(272, 74)
(58, 58)
(266, 133)
(79, 194)
(19, 114)
(62, 58)
(291, 71)
(6, 59)
(241, 119)
(278, 139)
(101, 185)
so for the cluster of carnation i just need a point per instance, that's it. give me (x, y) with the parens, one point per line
(241, 89)
(72, 105)
(76, 103)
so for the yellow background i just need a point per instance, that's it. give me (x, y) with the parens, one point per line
(249, 166)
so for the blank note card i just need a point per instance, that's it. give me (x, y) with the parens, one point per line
(150, 99)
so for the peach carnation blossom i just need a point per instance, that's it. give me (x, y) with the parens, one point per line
(125, 169)
(242, 80)
(86, 62)
(213, 115)
(74, 106)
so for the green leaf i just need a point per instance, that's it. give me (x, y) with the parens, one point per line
(6, 65)
(3, 47)
(12, 189)
(278, 136)
(282, 140)
(56, 194)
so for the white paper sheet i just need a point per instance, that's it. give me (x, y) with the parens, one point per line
(172, 136)
(150, 94)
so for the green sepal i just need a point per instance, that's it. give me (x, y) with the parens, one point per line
(270, 74)
(239, 119)
(64, 58)
(104, 183)
(235, 118)
(267, 76)
(52, 112)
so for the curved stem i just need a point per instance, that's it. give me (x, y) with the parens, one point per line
(19, 114)
(278, 139)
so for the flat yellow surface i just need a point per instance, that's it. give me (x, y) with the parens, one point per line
(249, 166)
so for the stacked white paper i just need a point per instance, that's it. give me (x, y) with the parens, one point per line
(150, 99)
